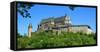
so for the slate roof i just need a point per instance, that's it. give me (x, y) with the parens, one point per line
(62, 18)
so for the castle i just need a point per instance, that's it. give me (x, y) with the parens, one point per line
(59, 24)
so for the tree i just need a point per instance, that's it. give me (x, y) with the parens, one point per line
(18, 35)
(72, 7)
(23, 9)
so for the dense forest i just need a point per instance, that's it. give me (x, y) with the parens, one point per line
(52, 39)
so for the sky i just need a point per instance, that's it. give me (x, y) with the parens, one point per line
(79, 16)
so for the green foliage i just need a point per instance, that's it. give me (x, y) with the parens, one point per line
(52, 39)
(18, 35)
(23, 9)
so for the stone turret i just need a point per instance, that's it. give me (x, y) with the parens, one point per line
(29, 30)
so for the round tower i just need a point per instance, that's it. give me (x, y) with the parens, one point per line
(30, 30)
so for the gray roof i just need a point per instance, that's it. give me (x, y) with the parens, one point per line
(30, 25)
(52, 19)
(81, 26)
(62, 18)
(72, 26)
(47, 20)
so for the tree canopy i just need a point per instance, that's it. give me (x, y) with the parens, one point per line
(23, 9)
(51, 39)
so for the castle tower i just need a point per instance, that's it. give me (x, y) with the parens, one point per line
(68, 22)
(29, 30)
(67, 19)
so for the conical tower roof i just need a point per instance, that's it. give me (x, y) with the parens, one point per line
(30, 25)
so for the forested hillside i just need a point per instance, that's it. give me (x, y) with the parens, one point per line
(52, 39)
